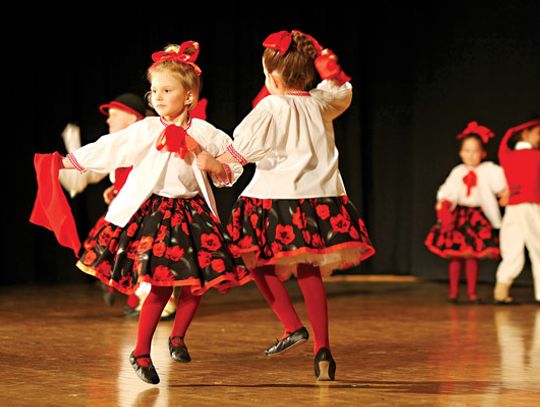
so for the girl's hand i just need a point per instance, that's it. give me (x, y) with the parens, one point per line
(109, 194)
(504, 197)
(207, 162)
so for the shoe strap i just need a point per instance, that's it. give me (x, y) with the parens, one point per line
(145, 356)
(177, 336)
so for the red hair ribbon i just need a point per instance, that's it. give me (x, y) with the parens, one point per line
(470, 181)
(281, 41)
(178, 56)
(278, 41)
(474, 128)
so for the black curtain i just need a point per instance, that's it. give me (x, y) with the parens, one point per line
(419, 76)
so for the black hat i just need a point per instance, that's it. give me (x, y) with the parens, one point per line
(128, 102)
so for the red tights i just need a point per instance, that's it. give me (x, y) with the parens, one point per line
(471, 271)
(151, 313)
(312, 287)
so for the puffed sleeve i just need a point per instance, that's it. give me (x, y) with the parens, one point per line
(120, 149)
(254, 136)
(449, 189)
(335, 99)
(497, 179)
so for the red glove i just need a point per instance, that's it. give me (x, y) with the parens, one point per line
(327, 66)
(445, 216)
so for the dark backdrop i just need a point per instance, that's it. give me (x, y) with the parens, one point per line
(419, 76)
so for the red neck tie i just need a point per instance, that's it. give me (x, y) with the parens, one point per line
(470, 181)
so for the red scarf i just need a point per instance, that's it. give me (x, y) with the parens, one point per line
(51, 209)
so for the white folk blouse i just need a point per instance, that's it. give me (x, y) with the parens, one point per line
(154, 172)
(290, 138)
(490, 180)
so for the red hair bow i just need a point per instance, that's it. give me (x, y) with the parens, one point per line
(179, 56)
(279, 42)
(474, 128)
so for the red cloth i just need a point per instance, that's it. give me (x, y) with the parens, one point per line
(51, 209)
(199, 111)
(120, 177)
(521, 167)
(446, 216)
(260, 96)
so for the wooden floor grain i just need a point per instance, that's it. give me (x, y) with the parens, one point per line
(395, 344)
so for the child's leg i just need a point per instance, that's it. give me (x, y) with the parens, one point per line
(186, 307)
(471, 271)
(312, 286)
(512, 244)
(454, 271)
(275, 294)
(532, 241)
(148, 320)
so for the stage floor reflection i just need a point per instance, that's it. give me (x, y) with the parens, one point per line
(395, 343)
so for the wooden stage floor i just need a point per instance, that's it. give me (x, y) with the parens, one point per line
(395, 344)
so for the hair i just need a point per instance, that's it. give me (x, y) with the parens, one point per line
(184, 72)
(475, 137)
(296, 67)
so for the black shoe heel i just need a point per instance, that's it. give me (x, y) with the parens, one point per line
(179, 353)
(148, 373)
(295, 338)
(325, 366)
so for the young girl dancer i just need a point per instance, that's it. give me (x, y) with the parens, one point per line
(468, 213)
(162, 227)
(294, 217)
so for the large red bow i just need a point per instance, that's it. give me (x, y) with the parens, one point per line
(281, 41)
(179, 56)
(470, 181)
(474, 128)
(176, 140)
(173, 138)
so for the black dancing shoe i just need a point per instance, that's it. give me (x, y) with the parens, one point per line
(325, 366)
(148, 373)
(295, 338)
(179, 353)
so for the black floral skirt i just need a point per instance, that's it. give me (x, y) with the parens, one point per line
(469, 235)
(326, 232)
(168, 242)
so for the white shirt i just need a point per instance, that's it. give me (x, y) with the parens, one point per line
(291, 140)
(490, 180)
(154, 171)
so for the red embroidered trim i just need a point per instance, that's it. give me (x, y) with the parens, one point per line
(299, 93)
(236, 155)
(163, 122)
(228, 172)
(75, 163)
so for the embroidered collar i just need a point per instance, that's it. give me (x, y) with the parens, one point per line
(298, 93)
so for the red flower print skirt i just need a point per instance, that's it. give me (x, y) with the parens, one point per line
(326, 232)
(469, 235)
(168, 242)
